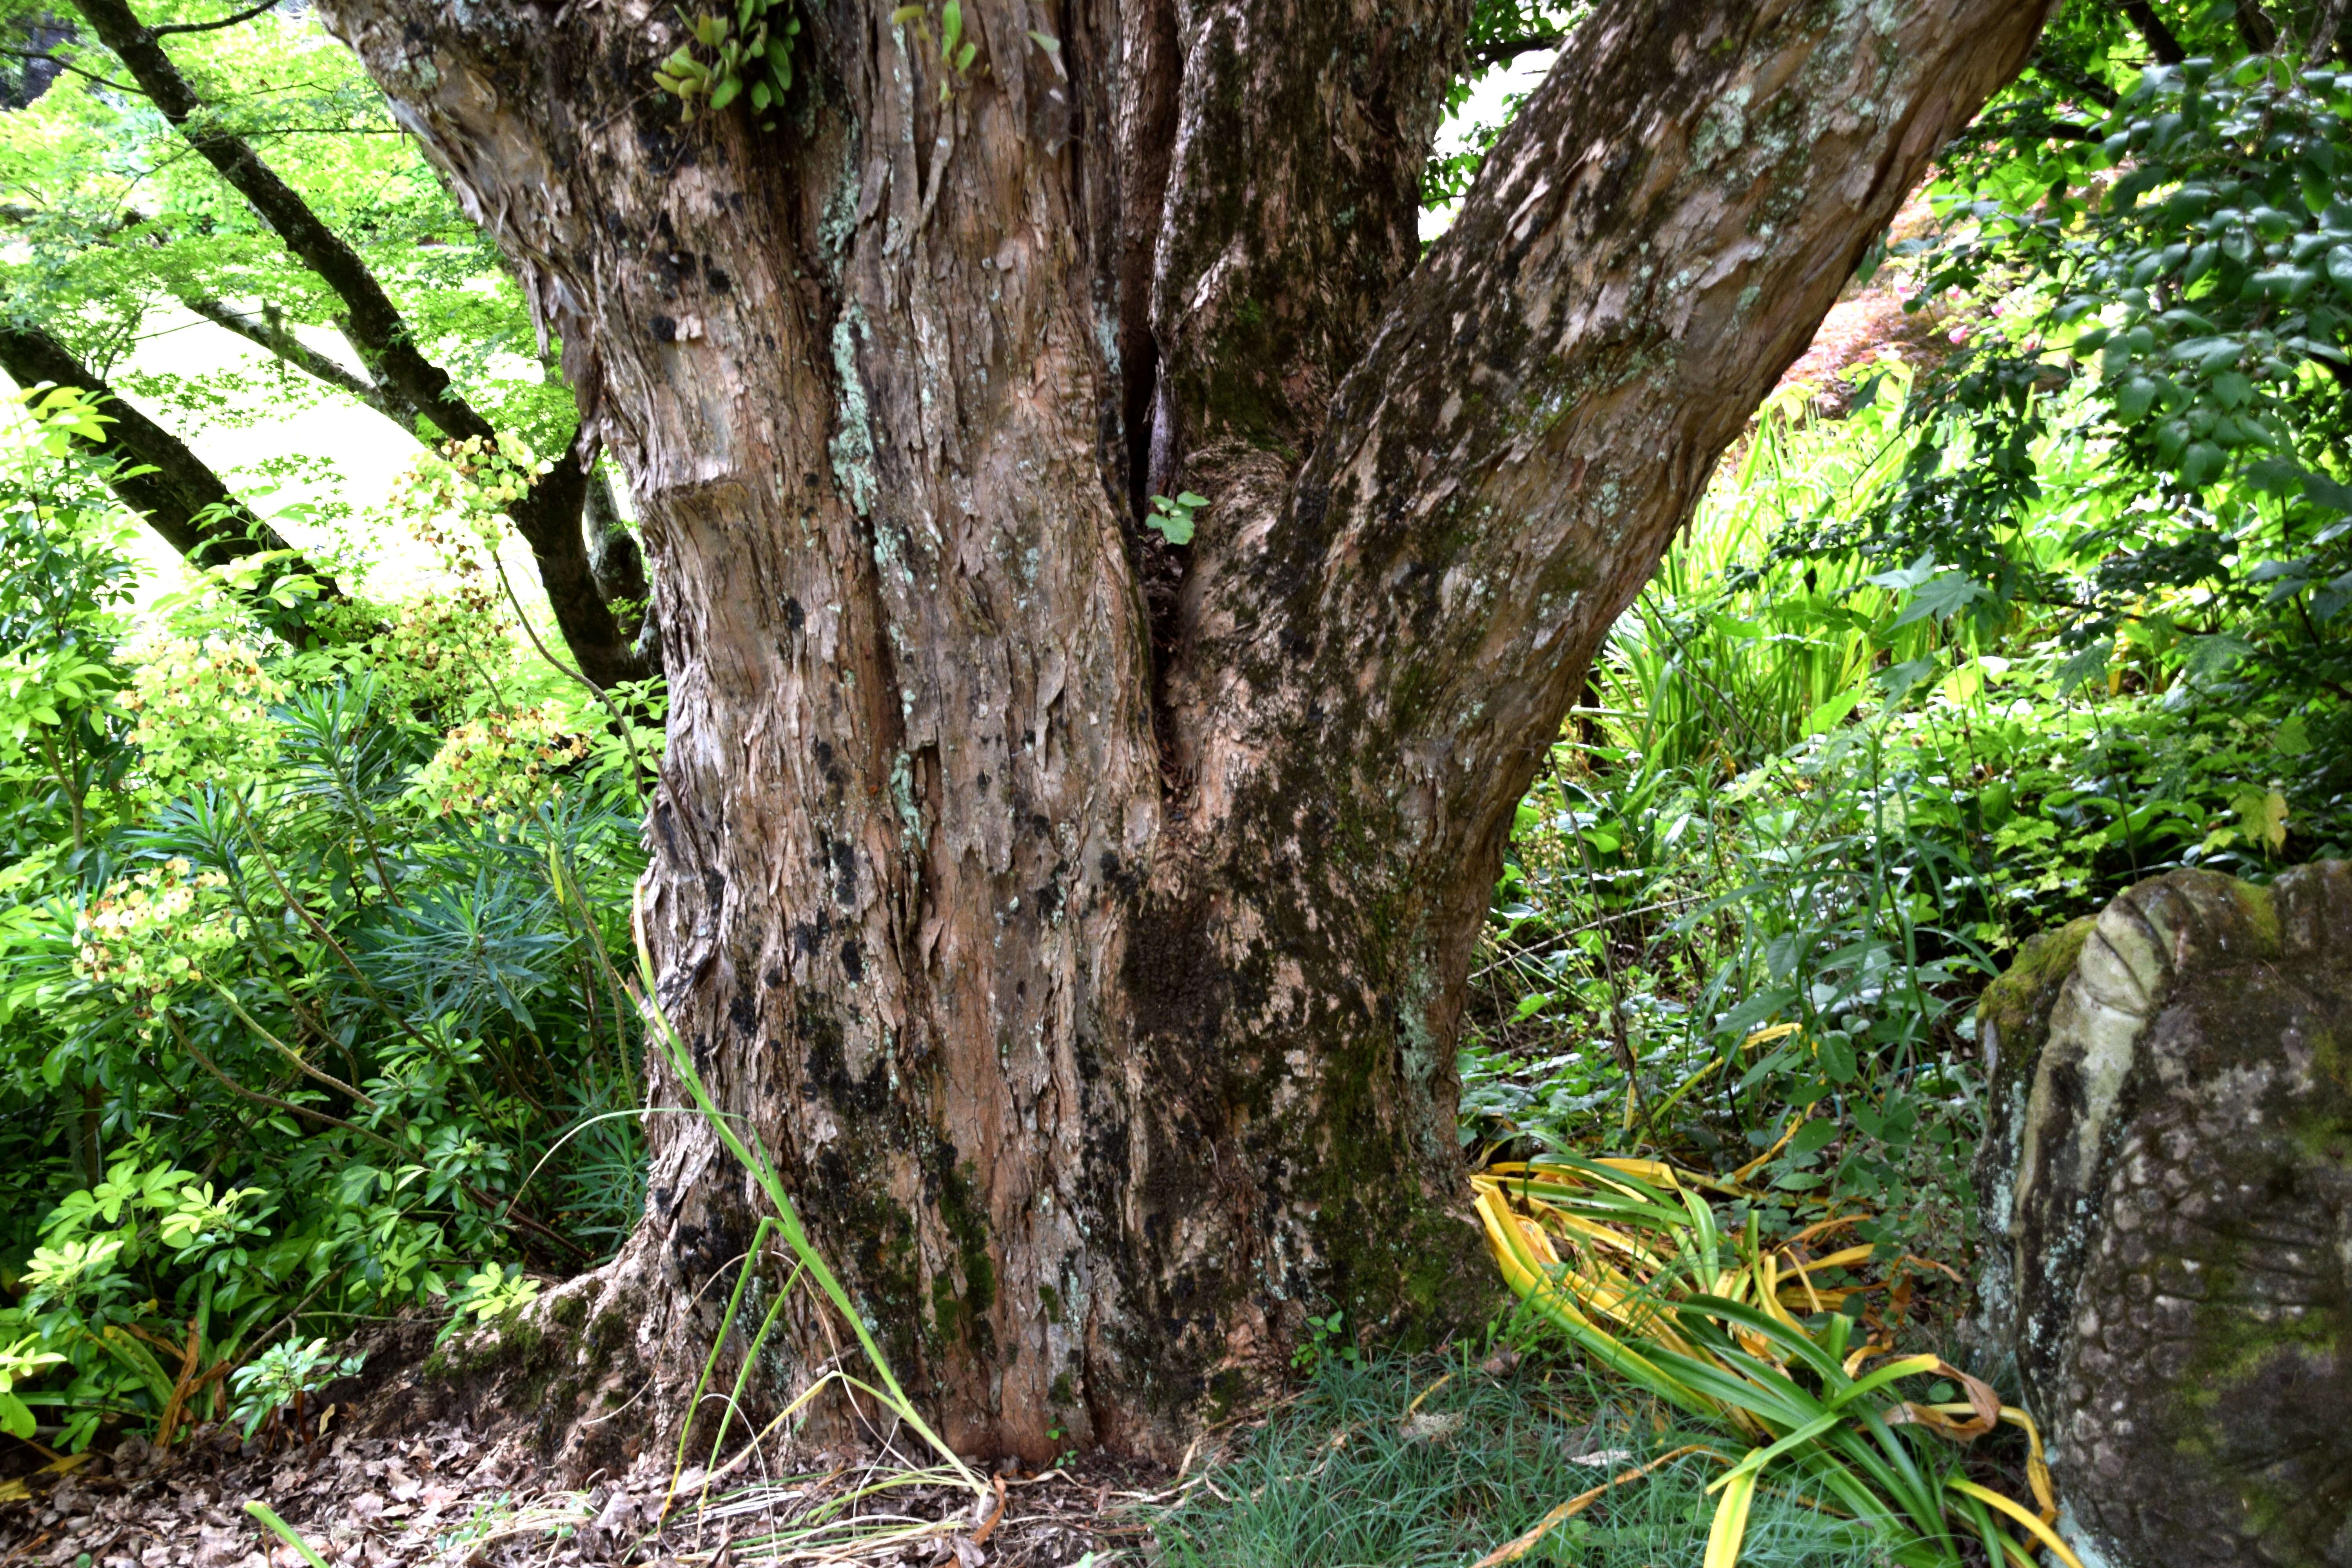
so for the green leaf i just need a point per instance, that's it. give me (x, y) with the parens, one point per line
(2276, 476)
(1830, 714)
(2288, 283)
(284, 1532)
(2327, 492)
(1814, 1137)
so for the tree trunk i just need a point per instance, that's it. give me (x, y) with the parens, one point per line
(1082, 919)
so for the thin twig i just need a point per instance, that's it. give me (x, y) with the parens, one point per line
(637, 771)
(230, 21)
(65, 65)
(291, 1054)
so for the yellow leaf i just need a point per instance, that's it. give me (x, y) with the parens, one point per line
(2040, 1532)
(1512, 1551)
(1730, 1526)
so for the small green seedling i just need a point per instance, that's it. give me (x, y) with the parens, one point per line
(957, 53)
(1173, 518)
(1324, 1346)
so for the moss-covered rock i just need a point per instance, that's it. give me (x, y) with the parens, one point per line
(2167, 1183)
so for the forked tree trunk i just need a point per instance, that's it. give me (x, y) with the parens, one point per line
(1083, 920)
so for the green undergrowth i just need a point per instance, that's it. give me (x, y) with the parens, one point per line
(301, 1023)
(1811, 806)
(1433, 1461)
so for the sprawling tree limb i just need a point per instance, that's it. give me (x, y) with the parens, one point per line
(275, 338)
(375, 327)
(1091, 957)
(171, 488)
(234, 19)
(1538, 417)
(1627, 279)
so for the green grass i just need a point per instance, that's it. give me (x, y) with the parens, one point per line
(1342, 1476)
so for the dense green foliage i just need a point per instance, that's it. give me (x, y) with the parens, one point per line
(297, 974)
(2178, 292)
(2010, 626)
(118, 232)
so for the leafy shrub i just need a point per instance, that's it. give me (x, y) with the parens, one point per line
(298, 971)
(2166, 284)
(284, 1376)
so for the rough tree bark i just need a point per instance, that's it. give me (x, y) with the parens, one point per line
(1084, 920)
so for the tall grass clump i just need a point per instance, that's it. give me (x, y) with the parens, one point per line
(1425, 1462)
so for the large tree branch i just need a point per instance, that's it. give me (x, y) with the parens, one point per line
(1653, 241)
(375, 326)
(234, 19)
(155, 475)
(2162, 42)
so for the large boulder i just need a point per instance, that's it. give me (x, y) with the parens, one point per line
(2168, 1189)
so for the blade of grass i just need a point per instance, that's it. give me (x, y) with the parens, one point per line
(788, 1220)
(285, 1532)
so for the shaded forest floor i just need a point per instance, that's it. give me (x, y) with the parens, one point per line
(444, 1492)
